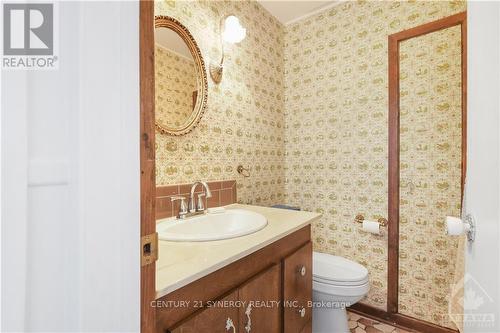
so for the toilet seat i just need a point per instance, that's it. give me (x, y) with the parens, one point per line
(338, 271)
(340, 283)
(341, 291)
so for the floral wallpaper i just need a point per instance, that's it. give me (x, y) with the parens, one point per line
(336, 134)
(244, 121)
(430, 171)
(175, 83)
(305, 108)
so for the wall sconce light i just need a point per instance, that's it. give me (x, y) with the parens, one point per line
(232, 32)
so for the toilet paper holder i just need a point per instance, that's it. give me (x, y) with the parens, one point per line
(470, 227)
(456, 226)
(360, 218)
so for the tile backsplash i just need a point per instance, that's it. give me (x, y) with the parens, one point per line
(223, 193)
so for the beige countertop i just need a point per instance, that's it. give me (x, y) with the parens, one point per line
(180, 263)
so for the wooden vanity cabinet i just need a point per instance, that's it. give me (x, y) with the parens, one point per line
(271, 291)
(297, 289)
(213, 319)
(262, 297)
(254, 307)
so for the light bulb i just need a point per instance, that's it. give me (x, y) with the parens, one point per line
(233, 31)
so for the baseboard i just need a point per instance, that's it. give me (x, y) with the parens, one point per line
(398, 320)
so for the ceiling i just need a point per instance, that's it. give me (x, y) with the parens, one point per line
(170, 40)
(287, 11)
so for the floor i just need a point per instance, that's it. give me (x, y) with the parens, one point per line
(360, 324)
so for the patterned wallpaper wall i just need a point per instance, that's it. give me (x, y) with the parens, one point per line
(336, 95)
(430, 171)
(244, 121)
(175, 82)
(308, 103)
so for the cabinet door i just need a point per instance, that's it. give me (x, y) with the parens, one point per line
(221, 318)
(307, 328)
(297, 290)
(261, 309)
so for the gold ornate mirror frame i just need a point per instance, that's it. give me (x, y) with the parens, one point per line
(201, 74)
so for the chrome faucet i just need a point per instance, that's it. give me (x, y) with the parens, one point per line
(193, 207)
(198, 207)
(183, 209)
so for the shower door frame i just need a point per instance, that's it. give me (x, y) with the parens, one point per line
(394, 145)
(392, 315)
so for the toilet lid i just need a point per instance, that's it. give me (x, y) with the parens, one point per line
(329, 268)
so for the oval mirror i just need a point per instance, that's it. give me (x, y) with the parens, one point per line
(180, 78)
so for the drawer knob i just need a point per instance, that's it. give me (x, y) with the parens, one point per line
(303, 271)
(302, 312)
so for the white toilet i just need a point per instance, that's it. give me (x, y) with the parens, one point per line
(337, 283)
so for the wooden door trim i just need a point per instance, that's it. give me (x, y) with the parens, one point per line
(147, 157)
(427, 28)
(393, 123)
(393, 182)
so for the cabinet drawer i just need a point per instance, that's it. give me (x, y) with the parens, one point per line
(297, 290)
(213, 319)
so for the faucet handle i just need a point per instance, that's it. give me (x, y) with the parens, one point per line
(183, 209)
(199, 206)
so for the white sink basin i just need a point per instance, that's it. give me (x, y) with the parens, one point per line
(230, 223)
